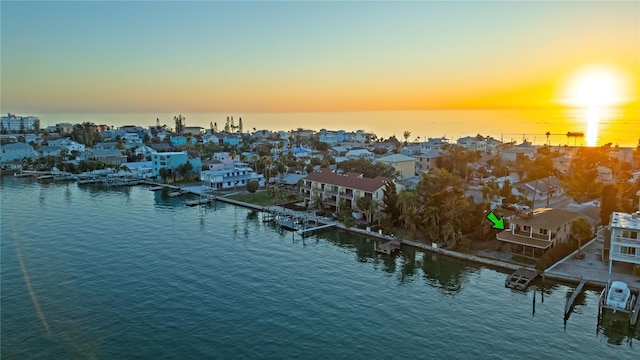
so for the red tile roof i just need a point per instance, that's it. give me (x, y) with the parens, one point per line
(350, 180)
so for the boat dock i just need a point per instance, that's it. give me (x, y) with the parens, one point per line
(520, 279)
(388, 248)
(568, 307)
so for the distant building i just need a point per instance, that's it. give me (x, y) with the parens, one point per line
(625, 239)
(473, 143)
(359, 154)
(534, 234)
(13, 123)
(428, 160)
(111, 156)
(513, 153)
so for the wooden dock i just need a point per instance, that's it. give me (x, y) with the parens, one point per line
(520, 279)
(202, 201)
(389, 247)
(314, 228)
(634, 316)
(569, 305)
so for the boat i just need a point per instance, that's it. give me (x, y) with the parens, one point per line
(156, 188)
(618, 296)
(174, 193)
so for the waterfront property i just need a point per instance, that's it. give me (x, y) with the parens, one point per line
(230, 178)
(16, 151)
(625, 242)
(172, 160)
(332, 188)
(532, 234)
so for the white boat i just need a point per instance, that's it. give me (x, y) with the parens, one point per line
(174, 193)
(618, 296)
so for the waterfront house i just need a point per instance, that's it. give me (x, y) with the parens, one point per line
(16, 151)
(110, 156)
(404, 165)
(230, 178)
(332, 188)
(172, 160)
(625, 239)
(533, 233)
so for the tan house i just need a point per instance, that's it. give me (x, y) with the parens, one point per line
(533, 234)
(404, 165)
(333, 188)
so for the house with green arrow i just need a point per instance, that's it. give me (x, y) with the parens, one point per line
(534, 233)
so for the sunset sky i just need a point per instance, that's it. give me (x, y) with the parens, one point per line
(307, 56)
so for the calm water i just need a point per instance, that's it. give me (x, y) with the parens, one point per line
(133, 274)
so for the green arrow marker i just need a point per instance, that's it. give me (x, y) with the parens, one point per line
(497, 223)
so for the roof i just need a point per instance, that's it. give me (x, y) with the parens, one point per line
(350, 180)
(18, 146)
(507, 236)
(548, 218)
(396, 158)
(625, 220)
(542, 184)
(105, 152)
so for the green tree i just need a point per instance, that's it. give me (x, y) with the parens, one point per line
(390, 201)
(252, 186)
(364, 204)
(581, 231)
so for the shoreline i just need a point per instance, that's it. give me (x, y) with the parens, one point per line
(494, 263)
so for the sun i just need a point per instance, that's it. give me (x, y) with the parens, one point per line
(595, 90)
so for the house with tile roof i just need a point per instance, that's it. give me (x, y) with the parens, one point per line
(534, 233)
(333, 188)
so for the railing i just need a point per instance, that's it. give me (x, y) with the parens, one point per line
(346, 194)
(303, 186)
(629, 241)
(334, 192)
(527, 234)
(634, 258)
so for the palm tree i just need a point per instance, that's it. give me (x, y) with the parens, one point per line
(364, 204)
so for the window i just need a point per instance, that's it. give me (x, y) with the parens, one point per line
(626, 250)
(542, 231)
(634, 235)
(526, 228)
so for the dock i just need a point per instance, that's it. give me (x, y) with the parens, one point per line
(389, 247)
(634, 316)
(202, 201)
(520, 279)
(568, 307)
(314, 228)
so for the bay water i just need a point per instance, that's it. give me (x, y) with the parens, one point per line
(92, 272)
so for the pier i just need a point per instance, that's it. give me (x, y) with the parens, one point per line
(568, 307)
(520, 279)
(389, 247)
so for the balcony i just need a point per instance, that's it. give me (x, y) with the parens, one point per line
(629, 258)
(307, 187)
(533, 236)
(329, 191)
(346, 194)
(626, 241)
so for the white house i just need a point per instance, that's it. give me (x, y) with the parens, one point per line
(16, 151)
(625, 238)
(359, 154)
(67, 144)
(230, 178)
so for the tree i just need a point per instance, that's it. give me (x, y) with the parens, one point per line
(581, 230)
(240, 129)
(180, 123)
(252, 186)
(609, 203)
(364, 204)
(390, 201)
(406, 135)
(164, 173)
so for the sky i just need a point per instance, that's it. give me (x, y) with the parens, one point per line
(206, 56)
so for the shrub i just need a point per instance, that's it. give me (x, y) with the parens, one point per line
(556, 254)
